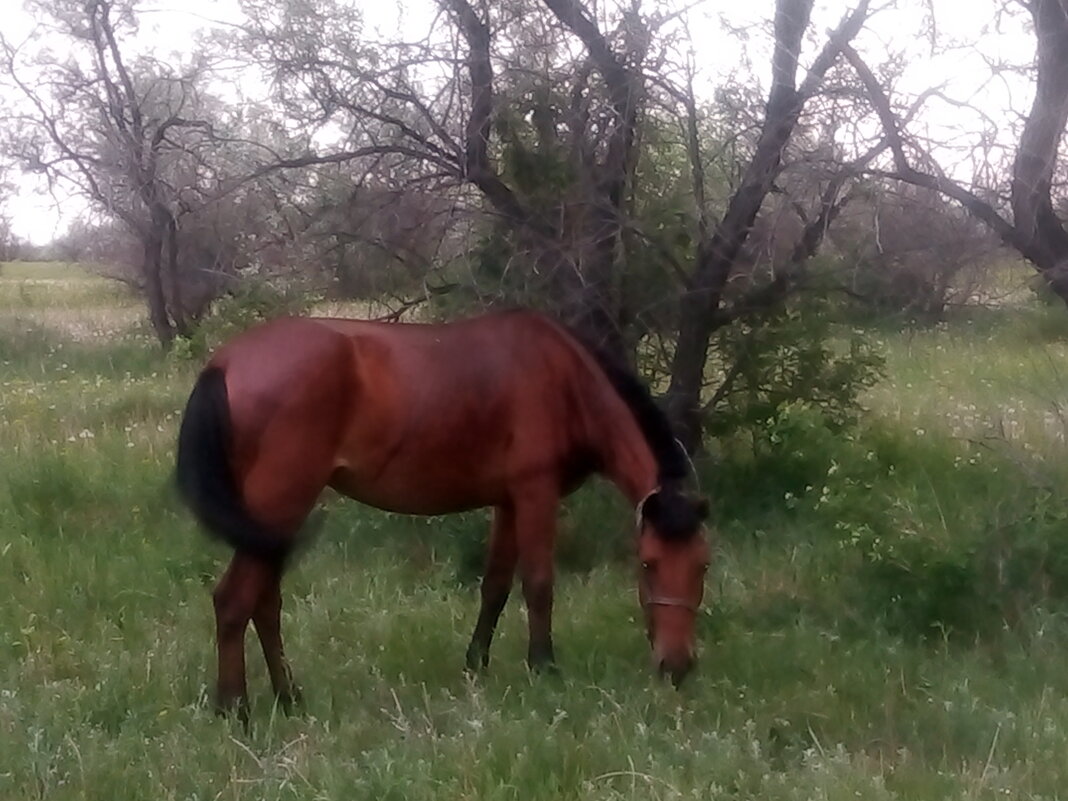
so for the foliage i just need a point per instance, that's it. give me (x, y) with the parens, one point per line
(903, 250)
(510, 266)
(927, 539)
(251, 303)
(1041, 291)
(792, 359)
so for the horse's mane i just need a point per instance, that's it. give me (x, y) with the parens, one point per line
(674, 515)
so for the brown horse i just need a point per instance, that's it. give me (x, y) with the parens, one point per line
(508, 410)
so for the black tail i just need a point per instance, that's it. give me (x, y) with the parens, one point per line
(206, 478)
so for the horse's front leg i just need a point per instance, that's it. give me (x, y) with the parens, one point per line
(496, 585)
(535, 537)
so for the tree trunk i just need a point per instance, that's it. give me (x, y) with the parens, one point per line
(177, 308)
(683, 399)
(1032, 173)
(157, 302)
(598, 302)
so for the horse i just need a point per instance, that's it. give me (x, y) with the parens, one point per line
(509, 410)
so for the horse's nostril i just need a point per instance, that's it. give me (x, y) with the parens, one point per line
(675, 670)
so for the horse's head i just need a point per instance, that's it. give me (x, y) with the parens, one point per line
(674, 555)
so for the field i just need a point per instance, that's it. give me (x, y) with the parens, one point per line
(885, 618)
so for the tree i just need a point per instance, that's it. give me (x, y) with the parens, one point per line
(910, 250)
(540, 109)
(1021, 205)
(136, 136)
(562, 146)
(720, 245)
(453, 130)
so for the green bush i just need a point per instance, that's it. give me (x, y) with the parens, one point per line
(1043, 293)
(920, 586)
(795, 355)
(251, 303)
(919, 535)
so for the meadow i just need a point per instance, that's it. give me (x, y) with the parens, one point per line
(886, 617)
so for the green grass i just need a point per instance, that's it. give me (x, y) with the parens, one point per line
(844, 652)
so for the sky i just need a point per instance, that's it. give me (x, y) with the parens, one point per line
(167, 26)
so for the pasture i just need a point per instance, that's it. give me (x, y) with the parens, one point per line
(885, 618)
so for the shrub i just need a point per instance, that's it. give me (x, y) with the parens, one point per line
(252, 303)
(920, 586)
(795, 355)
(904, 532)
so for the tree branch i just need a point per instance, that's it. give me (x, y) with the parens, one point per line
(477, 168)
(904, 171)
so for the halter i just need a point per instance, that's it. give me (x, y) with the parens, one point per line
(640, 508)
(659, 600)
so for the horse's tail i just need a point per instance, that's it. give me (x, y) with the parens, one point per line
(205, 475)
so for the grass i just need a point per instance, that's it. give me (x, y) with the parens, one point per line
(831, 668)
(66, 300)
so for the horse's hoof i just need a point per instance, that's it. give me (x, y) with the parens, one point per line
(225, 707)
(476, 660)
(543, 663)
(290, 702)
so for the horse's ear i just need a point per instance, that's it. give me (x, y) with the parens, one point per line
(651, 507)
(703, 509)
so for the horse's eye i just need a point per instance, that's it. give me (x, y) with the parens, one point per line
(647, 566)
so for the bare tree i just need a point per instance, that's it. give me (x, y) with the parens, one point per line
(910, 250)
(1019, 206)
(130, 132)
(571, 143)
(455, 128)
(504, 96)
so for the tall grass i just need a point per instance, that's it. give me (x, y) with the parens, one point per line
(886, 618)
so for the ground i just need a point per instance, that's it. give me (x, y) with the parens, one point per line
(885, 617)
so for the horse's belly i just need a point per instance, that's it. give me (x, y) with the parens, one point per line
(418, 492)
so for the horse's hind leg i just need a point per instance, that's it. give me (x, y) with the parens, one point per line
(496, 585)
(273, 492)
(236, 599)
(267, 618)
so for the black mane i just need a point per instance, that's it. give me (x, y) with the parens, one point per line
(673, 467)
(672, 513)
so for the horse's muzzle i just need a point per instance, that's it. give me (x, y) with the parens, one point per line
(676, 667)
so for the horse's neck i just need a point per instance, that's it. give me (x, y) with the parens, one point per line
(628, 462)
(612, 432)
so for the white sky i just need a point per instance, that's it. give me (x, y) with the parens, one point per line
(39, 216)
